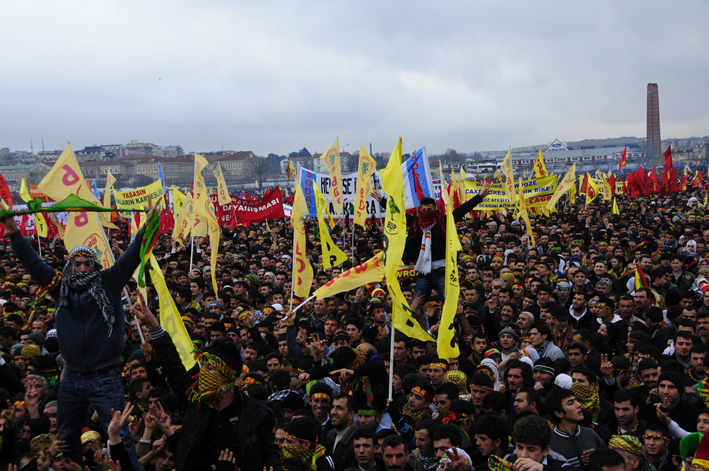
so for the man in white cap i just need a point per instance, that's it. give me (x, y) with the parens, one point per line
(90, 321)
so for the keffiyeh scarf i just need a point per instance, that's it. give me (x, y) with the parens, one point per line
(210, 387)
(307, 456)
(359, 383)
(91, 282)
(588, 398)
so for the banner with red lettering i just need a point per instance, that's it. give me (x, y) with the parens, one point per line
(269, 206)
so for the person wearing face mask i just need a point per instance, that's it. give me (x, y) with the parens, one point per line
(426, 240)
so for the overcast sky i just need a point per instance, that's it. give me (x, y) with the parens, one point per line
(278, 76)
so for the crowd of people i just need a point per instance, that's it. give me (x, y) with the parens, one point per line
(582, 351)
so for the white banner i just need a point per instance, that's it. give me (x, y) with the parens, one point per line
(308, 179)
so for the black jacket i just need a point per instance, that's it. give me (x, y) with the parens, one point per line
(256, 447)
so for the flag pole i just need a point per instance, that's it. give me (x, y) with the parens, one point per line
(191, 250)
(391, 361)
(292, 277)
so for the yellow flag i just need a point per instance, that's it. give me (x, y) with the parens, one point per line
(331, 253)
(440, 170)
(524, 213)
(565, 185)
(607, 190)
(447, 345)
(170, 319)
(40, 223)
(509, 179)
(83, 228)
(184, 222)
(461, 185)
(592, 192)
(572, 193)
(394, 242)
(110, 180)
(222, 191)
(539, 167)
(200, 163)
(204, 211)
(303, 270)
(178, 198)
(331, 159)
(371, 271)
(367, 166)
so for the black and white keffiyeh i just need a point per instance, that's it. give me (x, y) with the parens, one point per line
(91, 282)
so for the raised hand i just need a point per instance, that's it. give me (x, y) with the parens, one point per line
(118, 420)
(144, 315)
(9, 415)
(606, 367)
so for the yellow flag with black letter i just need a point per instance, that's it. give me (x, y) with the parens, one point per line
(302, 269)
(394, 241)
(83, 228)
(222, 191)
(447, 345)
(170, 319)
(178, 198)
(331, 253)
(367, 166)
(204, 211)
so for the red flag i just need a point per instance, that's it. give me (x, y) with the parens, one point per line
(611, 182)
(654, 183)
(697, 179)
(668, 159)
(584, 185)
(5, 192)
(622, 158)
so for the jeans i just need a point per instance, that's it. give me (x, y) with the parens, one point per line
(104, 392)
(425, 284)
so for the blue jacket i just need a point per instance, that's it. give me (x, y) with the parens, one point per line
(81, 330)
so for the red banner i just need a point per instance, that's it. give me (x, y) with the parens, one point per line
(5, 192)
(269, 206)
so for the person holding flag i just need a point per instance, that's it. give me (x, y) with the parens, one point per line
(426, 239)
(90, 318)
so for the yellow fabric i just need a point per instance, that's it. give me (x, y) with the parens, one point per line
(565, 185)
(367, 166)
(525, 214)
(394, 242)
(591, 191)
(222, 191)
(170, 319)
(200, 163)
(83, 228)
(178, 198)
(331, 159)
(371, 271)
(446, 344)
(539, 167)
(302, 269)
(509, 179)
(204, 210)
(331, 253)
(183, 224)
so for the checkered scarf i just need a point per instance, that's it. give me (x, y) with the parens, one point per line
(417, 416)
(359, 383)
(588, 398)
(495, 463)
(80, 282)
(41, 442)
(211, 387)
(632, 444)
(306, 455)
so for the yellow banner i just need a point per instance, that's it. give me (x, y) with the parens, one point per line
(200, 225)
(446, 344)
(222, 191)
(138, 198)
(394, 242)
(371, 271)
(538, 191)
(367, 166)
(170, 319)
(303, 270)
(204, 209)
(331, 253)
(82, 228)
(331, 159)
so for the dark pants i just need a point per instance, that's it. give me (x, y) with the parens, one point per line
(103, 391)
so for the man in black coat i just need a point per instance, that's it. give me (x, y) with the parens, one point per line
(214, 419)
